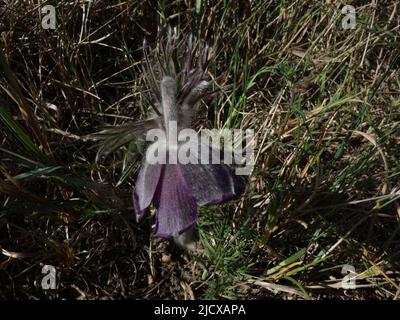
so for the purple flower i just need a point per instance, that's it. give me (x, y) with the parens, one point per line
(177, 189)
(176, 80)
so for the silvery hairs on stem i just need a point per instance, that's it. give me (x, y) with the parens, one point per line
(176, 80)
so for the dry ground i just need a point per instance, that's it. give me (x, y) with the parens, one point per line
(323, 101)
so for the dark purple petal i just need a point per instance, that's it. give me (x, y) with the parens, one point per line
(176, 206)
(212, 183)
(146, 185)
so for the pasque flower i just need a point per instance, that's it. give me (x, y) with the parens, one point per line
(175, 76)
(177, 189)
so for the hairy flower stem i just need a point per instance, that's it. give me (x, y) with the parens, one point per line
(169, 109)
(168, 100)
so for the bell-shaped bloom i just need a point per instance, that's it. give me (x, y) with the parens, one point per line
(177, 189)
(176, 81)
